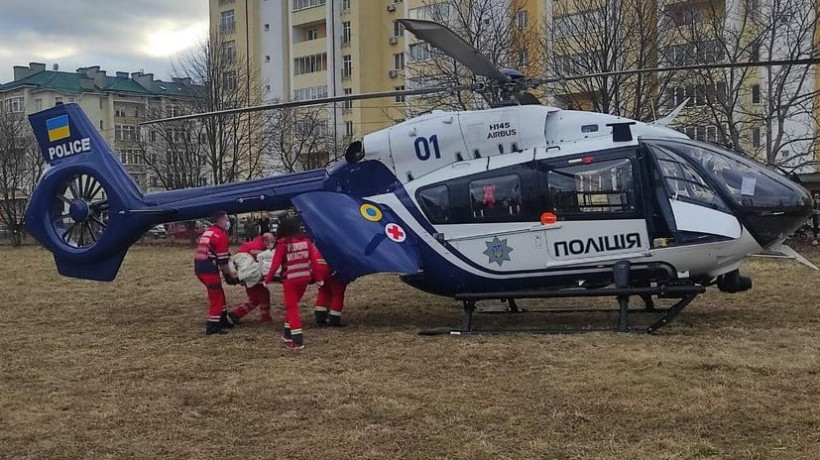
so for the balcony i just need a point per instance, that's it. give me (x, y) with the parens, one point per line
(310, 47)
(308, 15)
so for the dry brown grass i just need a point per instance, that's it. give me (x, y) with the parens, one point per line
(123, 370)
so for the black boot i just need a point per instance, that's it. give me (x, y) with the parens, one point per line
(213, 327)
(233, 319)
(321, 317)
(336, 321)
(224, 321)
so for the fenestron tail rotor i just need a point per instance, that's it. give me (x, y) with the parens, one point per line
(79, 213)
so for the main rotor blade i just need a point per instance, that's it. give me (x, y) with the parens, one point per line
(324, 100)
(454, 46)
(729, 65)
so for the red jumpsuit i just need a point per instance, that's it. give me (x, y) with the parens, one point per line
(299, 260)
(331, 294)
(211, 252)
(258, 295)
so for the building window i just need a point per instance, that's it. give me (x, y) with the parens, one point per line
(312, 33)
(346, 33)
(756, 137)
(267, 27)
(229, 80)
(347, 66)
(402, 97)
(302, 4)
(420, 51)
(755, 52)
(152, 136)
(437, 12)
(521, 19)
(349, 128)
(227, 23)
(119, 112)
(398, 29)
(15, 104)
(38, 105)
(125, 133)
(310, 64)
(267, 58)
(398, 61)
(229, 50)
(305, 94)
(348, 104)
(755, 94)
(345, 5)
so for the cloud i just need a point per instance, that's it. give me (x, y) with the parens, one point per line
(114, 34)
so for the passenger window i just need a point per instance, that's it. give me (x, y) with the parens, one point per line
(602, 187)
(496, 197)
(435, 202)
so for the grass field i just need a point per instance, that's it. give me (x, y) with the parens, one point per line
(124, 370)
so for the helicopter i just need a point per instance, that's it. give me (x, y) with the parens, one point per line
(519, 200)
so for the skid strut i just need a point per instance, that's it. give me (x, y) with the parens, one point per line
(686, 291)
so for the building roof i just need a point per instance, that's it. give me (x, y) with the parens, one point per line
(79, 82)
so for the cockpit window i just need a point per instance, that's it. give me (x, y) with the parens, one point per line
(435, 202)
(683, 183)
(496, 197)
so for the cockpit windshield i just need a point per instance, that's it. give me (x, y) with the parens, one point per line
(750, 184)
(769, 204)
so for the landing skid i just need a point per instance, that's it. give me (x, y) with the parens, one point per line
(685, 292)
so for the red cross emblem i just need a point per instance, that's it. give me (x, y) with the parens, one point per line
(395, 233)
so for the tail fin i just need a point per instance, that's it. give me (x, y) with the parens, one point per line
(87, 210)
(71, 210)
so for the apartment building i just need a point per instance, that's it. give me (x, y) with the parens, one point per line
(114, 103)
(307, 49)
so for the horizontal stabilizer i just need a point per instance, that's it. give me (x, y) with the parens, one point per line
(791, 253)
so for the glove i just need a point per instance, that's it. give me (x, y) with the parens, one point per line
(231, 280)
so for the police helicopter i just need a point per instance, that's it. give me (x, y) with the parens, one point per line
(517, 201)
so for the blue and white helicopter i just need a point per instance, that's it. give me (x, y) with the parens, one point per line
(520, 200)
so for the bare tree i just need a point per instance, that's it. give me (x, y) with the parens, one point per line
(20, 168)
(298, 139)
(767, 111)
(598, 36)
(174, 152)
(496, 28)
(223, 79)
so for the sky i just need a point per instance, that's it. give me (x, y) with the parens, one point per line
(117, 35)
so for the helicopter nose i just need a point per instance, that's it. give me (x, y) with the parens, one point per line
(776, 211)
(770, 205)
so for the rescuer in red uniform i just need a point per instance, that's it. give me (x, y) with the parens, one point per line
(331, 296)
(258, 294)
(297, 256)
(210, 258)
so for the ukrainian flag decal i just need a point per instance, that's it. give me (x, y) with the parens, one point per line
(370, 212)
(58, 128)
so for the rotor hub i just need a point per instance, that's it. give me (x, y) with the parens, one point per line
(79, 210)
